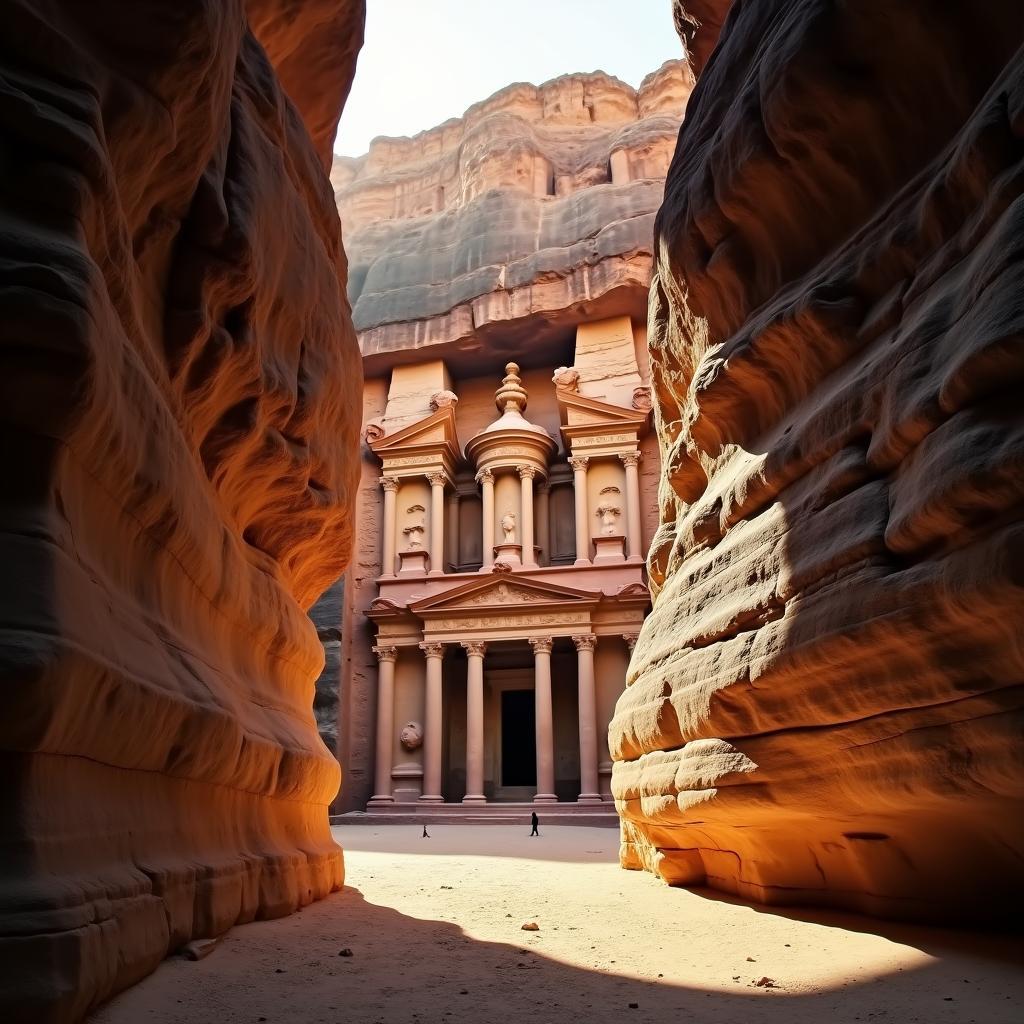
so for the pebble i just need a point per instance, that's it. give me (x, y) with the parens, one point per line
(345, 952)
(531, 926)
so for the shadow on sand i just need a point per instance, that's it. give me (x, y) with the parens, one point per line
(407, 969)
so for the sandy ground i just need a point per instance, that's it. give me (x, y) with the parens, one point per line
(434, 926)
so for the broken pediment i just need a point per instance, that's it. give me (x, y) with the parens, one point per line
(432, 441)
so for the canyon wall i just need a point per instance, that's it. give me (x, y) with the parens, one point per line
(509, 225)
(826, 704)
(180, 379)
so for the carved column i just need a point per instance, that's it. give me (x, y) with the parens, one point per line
(631, 639)
(386, 657)
(437, 482)
(475, 650)
(589, 791)
(486, 480)
(544, 720)
(579, 483)
(634, 529)
(432, 725)
(387, 558)
(526, 475)
(452, 552)
(544, 522)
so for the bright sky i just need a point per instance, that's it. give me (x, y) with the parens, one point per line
(425, 61)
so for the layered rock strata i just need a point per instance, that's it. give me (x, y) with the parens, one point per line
(508, 225)
(180, 380)
(826, 704)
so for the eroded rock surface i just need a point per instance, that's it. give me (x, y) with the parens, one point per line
(536, 204)
(826, 702)
(180, 383)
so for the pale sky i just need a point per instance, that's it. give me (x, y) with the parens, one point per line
(425, 61)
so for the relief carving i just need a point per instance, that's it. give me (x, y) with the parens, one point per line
(508, 526)
(411, 736)
(443, 400)
(567, 378)
(416, 530)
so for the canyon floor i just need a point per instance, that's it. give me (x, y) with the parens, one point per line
(435, 932)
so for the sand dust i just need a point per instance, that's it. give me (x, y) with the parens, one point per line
(435, 930)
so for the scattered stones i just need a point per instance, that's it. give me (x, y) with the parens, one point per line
(766, 983)
(345, 952)
(531, 926)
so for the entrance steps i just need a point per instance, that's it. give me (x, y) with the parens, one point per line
(599, 815)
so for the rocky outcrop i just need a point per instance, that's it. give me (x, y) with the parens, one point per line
(825, 705)
(180, 385)
(535, 205)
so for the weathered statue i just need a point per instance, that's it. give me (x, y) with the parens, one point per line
(508, 526)
(411, 736)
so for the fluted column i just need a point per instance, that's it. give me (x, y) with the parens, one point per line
(543, 526)
(452, 551)
(544, 720)
(579, 483)
(386, 658)
(589, 791)
(387, 558)
(475, 650)
(486, 479)
(437, 482)
(634, 531)
(526, 475)
(432, 725)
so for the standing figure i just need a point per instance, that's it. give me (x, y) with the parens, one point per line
(534, 822)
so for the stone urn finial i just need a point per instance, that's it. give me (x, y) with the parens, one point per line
(511, 396)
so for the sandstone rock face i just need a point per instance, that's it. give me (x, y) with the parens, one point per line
(826, 702)
(179, 383)
(536, 205)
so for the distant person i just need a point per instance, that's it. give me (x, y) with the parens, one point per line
(426, 834)
(534, 822)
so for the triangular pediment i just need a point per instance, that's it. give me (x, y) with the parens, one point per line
(503, 590)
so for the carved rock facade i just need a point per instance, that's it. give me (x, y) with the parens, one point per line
(179, 383)
(505, 227)
(826, 701)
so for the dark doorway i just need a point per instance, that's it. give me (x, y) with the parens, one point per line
(518, 739)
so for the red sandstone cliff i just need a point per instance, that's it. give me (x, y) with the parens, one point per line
(504, 227)
(180, 383)
(826, 702)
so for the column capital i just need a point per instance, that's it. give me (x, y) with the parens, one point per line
(389, 483)
(631, 639)
(437, 479)
(386, 652)
(584, 641)
(527, 473)
(630, 458)
(579, 463)
(432, 650)
(485, 476)
(541, 644)
(477, 648)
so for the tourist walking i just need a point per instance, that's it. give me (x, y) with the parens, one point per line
(534, 822)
